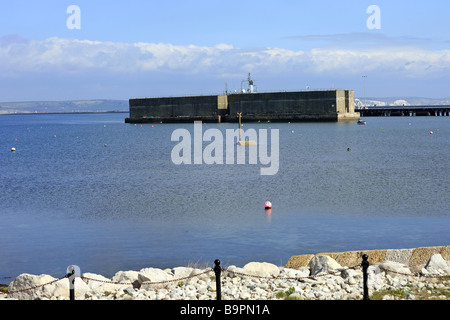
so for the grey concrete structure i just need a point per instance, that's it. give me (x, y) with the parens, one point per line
(330, 105)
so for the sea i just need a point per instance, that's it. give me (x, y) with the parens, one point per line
(93, 191)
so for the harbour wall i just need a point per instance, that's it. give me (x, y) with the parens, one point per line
(409, 257)
(174, 107)
(331, 105)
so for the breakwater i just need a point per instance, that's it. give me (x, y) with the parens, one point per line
(409, 257)
(323, 278)
(327, 105)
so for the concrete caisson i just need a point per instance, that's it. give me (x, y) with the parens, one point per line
(329, 105)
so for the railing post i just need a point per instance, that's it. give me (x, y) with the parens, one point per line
(71, 276)
(217, 270)
(365, 266)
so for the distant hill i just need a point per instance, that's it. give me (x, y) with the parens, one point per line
(100, 105)
(399, 101)
(105, 105)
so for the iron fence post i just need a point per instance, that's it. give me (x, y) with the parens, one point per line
(71, 276)
(365, 266)
(217, 270)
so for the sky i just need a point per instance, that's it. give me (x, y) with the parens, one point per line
(96, 49)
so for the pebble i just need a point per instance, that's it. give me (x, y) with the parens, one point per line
(329, 287)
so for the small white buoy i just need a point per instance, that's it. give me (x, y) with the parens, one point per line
(267, 205)
(13, 149)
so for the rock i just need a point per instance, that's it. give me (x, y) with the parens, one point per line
(437, 263)
(183, 272)
(323, 263)
(127, 277)
(25, 281)
(99, 283)
(295, 262)
(44, 287)
(394, 268)
(233, 271)
(351, 273)
(262, 269)
(131, 291)
(148, 275)
(294, 273)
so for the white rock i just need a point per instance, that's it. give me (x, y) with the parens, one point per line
(148, 275)
(200, 274)
(394, 268)
(129, 277)
(39, 287)
(231, 271)
(294, 273)
(323, 263)
(436, 263)
(98, 283)
(182, 272)
(25, 281)
(202, 290)
(262, 269)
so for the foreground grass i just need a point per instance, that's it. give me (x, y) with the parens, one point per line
(434, 289)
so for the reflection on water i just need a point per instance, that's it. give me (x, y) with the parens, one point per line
(93, 191)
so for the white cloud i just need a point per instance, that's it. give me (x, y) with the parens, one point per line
(69, 56)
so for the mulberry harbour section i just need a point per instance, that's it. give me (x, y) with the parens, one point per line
(293, 106)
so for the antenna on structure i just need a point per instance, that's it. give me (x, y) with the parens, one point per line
(251, 88)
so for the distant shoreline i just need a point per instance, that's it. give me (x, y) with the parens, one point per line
(71, 112)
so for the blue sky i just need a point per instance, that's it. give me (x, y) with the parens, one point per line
(137, 48)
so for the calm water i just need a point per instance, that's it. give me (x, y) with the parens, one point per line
(66, 198)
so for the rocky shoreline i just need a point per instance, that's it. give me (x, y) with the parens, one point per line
(323, 278)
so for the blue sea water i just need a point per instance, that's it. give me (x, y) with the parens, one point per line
(91, 190)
